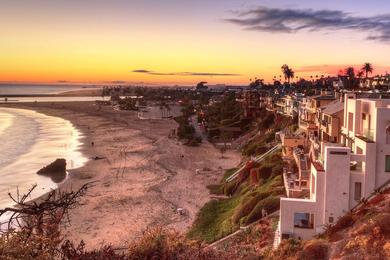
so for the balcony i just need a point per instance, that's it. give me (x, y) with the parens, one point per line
(369, 134)
(294, 187)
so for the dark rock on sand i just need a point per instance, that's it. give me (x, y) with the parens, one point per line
(56, 170)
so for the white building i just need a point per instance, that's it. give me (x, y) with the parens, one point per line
(344, 172)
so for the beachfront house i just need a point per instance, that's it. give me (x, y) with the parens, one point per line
(308, 112)
(344, 172)
(330, 121)
(287, 105)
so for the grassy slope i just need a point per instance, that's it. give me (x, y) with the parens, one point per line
(219, 218)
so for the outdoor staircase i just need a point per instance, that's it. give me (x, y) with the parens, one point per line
(256, 159)
(277, 237)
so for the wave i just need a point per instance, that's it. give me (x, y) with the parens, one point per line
(29, 141)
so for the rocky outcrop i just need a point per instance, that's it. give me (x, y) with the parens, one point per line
(56, 170)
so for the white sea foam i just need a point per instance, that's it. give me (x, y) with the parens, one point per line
(29, 141)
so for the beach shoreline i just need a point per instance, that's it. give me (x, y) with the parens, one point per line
(143, 179)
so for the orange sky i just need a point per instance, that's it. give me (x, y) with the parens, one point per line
(106, 41)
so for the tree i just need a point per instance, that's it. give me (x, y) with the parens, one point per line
(350, 78)
(201, 86)
(350, 72)
(256, 83)
(288, 73)
(367, 68)
(360, 75)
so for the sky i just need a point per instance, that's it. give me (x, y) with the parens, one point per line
(169, 42)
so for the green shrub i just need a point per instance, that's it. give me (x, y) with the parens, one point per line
(215, 189)
(228, 173)
(229, 188)
(244, 209)
(265, 172)
(213, 220)
(270, 204)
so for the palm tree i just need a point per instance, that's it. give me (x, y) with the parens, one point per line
(288, 73)
(367, 68)
(350, 72)
(360, 75)
(350, 75)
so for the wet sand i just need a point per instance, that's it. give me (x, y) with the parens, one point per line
(143, 179)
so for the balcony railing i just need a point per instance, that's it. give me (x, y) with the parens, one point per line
(369, 134)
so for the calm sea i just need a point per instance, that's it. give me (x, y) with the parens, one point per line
(37, 89)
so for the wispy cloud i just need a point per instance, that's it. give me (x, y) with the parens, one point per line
(205, 74)
(277, 20)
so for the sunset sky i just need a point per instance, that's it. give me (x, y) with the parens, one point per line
(183, 42)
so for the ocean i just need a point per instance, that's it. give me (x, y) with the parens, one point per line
(30, 141)
(33, 93)
(19, 89)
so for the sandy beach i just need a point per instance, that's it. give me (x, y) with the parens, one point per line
(143, 179)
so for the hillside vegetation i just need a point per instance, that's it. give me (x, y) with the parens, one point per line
(257, 188)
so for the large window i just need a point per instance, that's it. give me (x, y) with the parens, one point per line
(387, 165)
(303, 220)
(358, 191)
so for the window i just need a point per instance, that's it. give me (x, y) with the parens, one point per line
(338, 153)
(358, 191)
(350, 121)
(331, 219)
(303, 220)
(387, 134)
(387, 165)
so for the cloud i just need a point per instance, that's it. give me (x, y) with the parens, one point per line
(276, 20)
(118, 82)
(206, 74)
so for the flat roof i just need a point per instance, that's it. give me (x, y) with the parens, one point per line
(333, 108)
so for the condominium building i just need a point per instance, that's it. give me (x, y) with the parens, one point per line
(346, 169)
(308, 112)
(330, 121)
